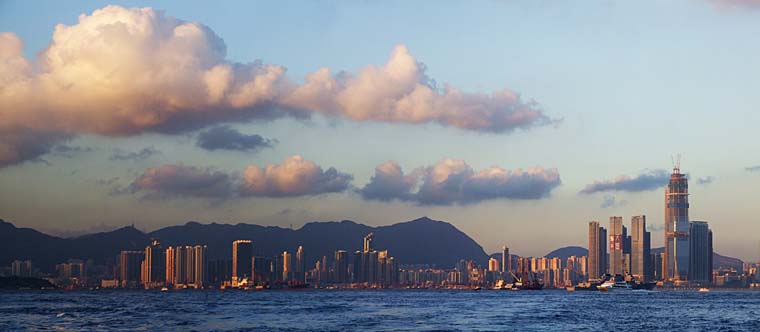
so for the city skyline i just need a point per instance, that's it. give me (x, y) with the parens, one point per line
(528, 114)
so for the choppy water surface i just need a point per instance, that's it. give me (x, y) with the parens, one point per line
(388, 310)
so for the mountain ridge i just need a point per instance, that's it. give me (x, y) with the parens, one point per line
(417, 241)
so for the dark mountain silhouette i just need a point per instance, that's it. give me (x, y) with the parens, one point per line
(420, 241)
(565, 252)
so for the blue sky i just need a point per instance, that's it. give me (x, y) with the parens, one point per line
(630, 84)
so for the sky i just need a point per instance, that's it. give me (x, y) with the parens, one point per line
(517, 121)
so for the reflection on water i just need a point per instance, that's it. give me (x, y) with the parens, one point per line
(388, 310)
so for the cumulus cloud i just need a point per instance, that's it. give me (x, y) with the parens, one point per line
(648, 180)
(296, 176)
(752, 168)
(705, 180)
(124, 71)
(143, 154)
(400, 91)
(455, 182)
(228, 138)
(389, 182)
(184, 181)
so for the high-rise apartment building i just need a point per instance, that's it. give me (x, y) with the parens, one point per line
(493, 265)
(300, 266)
(130, 263)
(616, 246)
(155, 264)
(200, 266)
(676, 258)
(287, 265)
(242, 254)
(506, 260)
(21, 268)
(340, 267)
(597, 250)
(170, 265)
(700, 253)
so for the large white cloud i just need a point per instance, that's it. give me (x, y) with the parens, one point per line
(123, 71)
(296, 176)
(455, 182)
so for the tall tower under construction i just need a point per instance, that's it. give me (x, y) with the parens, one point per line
(676, 260)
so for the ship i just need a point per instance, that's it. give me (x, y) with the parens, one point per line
(528, 282)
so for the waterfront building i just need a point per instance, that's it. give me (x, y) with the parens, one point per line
(700, 253)
(242, 254)
(262, 270)
(597, 250)
(616, 259)
(300, 267)
(170, 265)
(493, 265)
(287, 266)
(154, 264)
(200, 266)
(340, 267)
(640, 249)
(676, 259)
(130, 267)
(21, 268)
(506, 260)
(73, 268)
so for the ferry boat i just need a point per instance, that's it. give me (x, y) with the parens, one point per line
(704, 290)
(614, 285)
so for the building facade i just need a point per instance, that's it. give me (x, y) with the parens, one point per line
(676, 258)
(616, 261)
(700, 253)
(597, 250)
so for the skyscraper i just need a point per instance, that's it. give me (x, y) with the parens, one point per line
(700, 252)
(368, 242)
(242, 254)
(676, 258)
(287, 265)
(506, 260)
(300, 268)
(640, 248)
(341, 267)
(170, 265)
(155, 264)
(200, 266)
(130, 263)
(597, 250)
(493, 265)
(616, 246)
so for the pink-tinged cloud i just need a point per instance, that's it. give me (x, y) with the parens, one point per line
(752, 4)
(296, 176)
(400, 92)
(124, 71)
(455, 182)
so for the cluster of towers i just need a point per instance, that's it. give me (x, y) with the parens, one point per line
(688, 251)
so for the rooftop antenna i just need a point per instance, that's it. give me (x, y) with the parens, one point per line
(676, 163)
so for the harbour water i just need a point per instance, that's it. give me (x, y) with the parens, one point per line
(379, 310)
